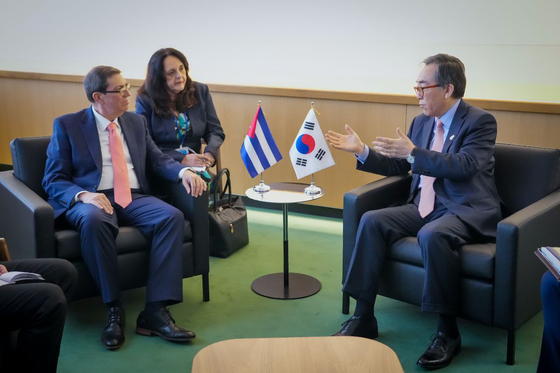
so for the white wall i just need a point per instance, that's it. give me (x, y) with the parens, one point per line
(511, 48)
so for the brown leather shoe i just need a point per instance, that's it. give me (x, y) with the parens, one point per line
(162, 324)
(356, 327)
(441, 351)
(113, 334)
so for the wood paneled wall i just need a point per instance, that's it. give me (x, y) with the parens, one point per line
(30, 102)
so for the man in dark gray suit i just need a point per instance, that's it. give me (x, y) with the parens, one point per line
(453, 201)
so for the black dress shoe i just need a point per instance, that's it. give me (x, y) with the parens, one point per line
(162, 324)
(113, 334)
(440, 352)
(356, 327)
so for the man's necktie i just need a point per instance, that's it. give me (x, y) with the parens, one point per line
(121, 183)
(427, 193)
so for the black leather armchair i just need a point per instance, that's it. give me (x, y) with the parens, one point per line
(27, 222)
(500, 282)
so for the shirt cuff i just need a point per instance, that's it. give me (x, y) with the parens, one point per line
(362, 157)
(183, 171)
(76, 200)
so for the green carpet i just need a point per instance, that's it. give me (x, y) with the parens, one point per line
(235, 311)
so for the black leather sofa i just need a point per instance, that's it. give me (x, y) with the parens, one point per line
(500, 282)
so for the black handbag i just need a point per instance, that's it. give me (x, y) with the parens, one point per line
(228, 219)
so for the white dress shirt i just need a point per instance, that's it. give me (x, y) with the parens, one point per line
(106, 181)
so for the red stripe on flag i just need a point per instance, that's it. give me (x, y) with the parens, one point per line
(253, 128)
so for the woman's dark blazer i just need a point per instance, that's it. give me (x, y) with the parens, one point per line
(204, 122)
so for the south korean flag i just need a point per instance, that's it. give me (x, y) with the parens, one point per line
(309, 152)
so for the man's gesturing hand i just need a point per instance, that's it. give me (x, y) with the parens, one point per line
(349, 143)
(394, 148)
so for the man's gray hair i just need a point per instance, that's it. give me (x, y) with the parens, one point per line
(96, 80)
(450, 70)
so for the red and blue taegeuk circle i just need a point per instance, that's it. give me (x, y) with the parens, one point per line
(305, 144)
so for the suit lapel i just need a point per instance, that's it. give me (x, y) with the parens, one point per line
(426, 132)
(131, 141)
(89, 130)
(456, 125)
(424, 135)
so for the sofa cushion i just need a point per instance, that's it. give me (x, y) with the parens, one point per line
(477, 260)
(129, 240)
(29, 157)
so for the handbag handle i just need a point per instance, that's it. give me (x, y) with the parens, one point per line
(227, 188)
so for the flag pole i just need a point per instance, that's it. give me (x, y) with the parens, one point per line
(312, 189)
(262, 187)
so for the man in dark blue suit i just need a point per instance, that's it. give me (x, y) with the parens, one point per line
(91, 154)
(452, 201)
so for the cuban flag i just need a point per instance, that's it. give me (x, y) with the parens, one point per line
(259, 151)
(309, 152)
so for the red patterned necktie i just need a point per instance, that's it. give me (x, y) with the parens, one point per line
(121, 183)
(427, 193)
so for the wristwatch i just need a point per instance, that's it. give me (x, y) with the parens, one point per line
(410, 158)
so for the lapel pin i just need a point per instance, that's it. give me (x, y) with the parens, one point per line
(452, 137)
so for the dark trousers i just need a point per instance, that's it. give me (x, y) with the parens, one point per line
(158, 221)
(439, 234)
(38, 311)
(549, 360)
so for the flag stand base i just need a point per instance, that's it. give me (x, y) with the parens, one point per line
(261, 188)
(312, 190)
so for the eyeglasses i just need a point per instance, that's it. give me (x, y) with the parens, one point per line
(421, 89)
(122, 91)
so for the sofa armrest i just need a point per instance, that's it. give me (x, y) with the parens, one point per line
(196, 212)
(518, 270)
(26, 220)
(378, 194)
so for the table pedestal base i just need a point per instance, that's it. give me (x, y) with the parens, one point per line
(272, 286)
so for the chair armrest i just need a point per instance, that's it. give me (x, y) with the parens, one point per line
(378, 194)
(196, 212)
(518, 270)
(26, 220)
